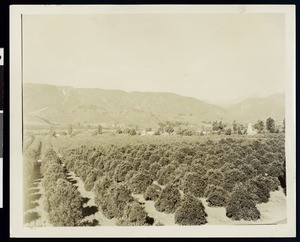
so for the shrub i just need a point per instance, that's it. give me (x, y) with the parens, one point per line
(232, 177)
(271, 182)
(145, 166)
(129, 175)
(115, 200)
(89, 182)
(218, 197)
(101, 187)
(194, 183)
(121, 171)
(275, 169)
(241, 205)
(165, 174)
(51, 163)
(248, 170)
(139, 182)
(50, 179)
(105, 202)
(65, 207)
(209, 188)
(134, 215)
(198, 168)
(153, 169)
(152, 192)
(164, 161)
(190, 212)
(136, 164)
(214, 177)
(154, 158)
(179, 174)
(259, 189)
(168, 199)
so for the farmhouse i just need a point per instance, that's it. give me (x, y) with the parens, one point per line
(250, 131)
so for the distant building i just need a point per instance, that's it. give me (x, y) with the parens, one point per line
(145, 133)
(250, 131)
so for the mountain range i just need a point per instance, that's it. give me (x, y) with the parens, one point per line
(49, 104)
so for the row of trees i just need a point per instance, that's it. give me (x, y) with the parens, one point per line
(237, 128)
(214, 170)
(182, 128)
(31, 154)
(269, 125)
(62, 199)
(219, 127)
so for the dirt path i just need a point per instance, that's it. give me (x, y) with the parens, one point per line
(92, 214)
(277, 202)
(36, 215)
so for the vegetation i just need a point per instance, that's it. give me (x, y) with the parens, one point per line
(241, 205)
(168, 199)
(134, 215)
(152, 192)
(190, 212)
(63, 201)
(270, 125)
(233, 171)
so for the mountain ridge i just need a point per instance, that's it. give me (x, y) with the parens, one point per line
(66, 104)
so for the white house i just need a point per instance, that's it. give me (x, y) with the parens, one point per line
(250, 131)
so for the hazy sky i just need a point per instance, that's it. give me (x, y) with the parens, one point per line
(208, 56)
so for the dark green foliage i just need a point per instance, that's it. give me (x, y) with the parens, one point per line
(50, 178)
(259, 126)
(241, 205)
(179, 174)
(270, 125)
(165, 174)
(248, 170)
(204, 167)
(129, 175)
(275, 169)
(164, 161)
(228, 131)
(121, 170)
(194, 183)
(139, 182)
(132, 131)
(134, 215)
(169, 129)
(198, 168)
(168, 199)
(215, 177)
(217, 197)
(101, 187)
(153, 169)
(271, 182)
(90, 180)
(145, 166)
(152, 192)
(64, 204)
(258, 166)
(114, 201)
(190, 212)
(259, 189)
(233, 177)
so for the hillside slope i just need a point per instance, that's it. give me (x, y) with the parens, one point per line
(48, 104)
(259, 108)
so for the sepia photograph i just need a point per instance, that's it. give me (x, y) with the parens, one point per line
(179, 119)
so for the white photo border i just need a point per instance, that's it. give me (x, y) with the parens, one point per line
(17, 229)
